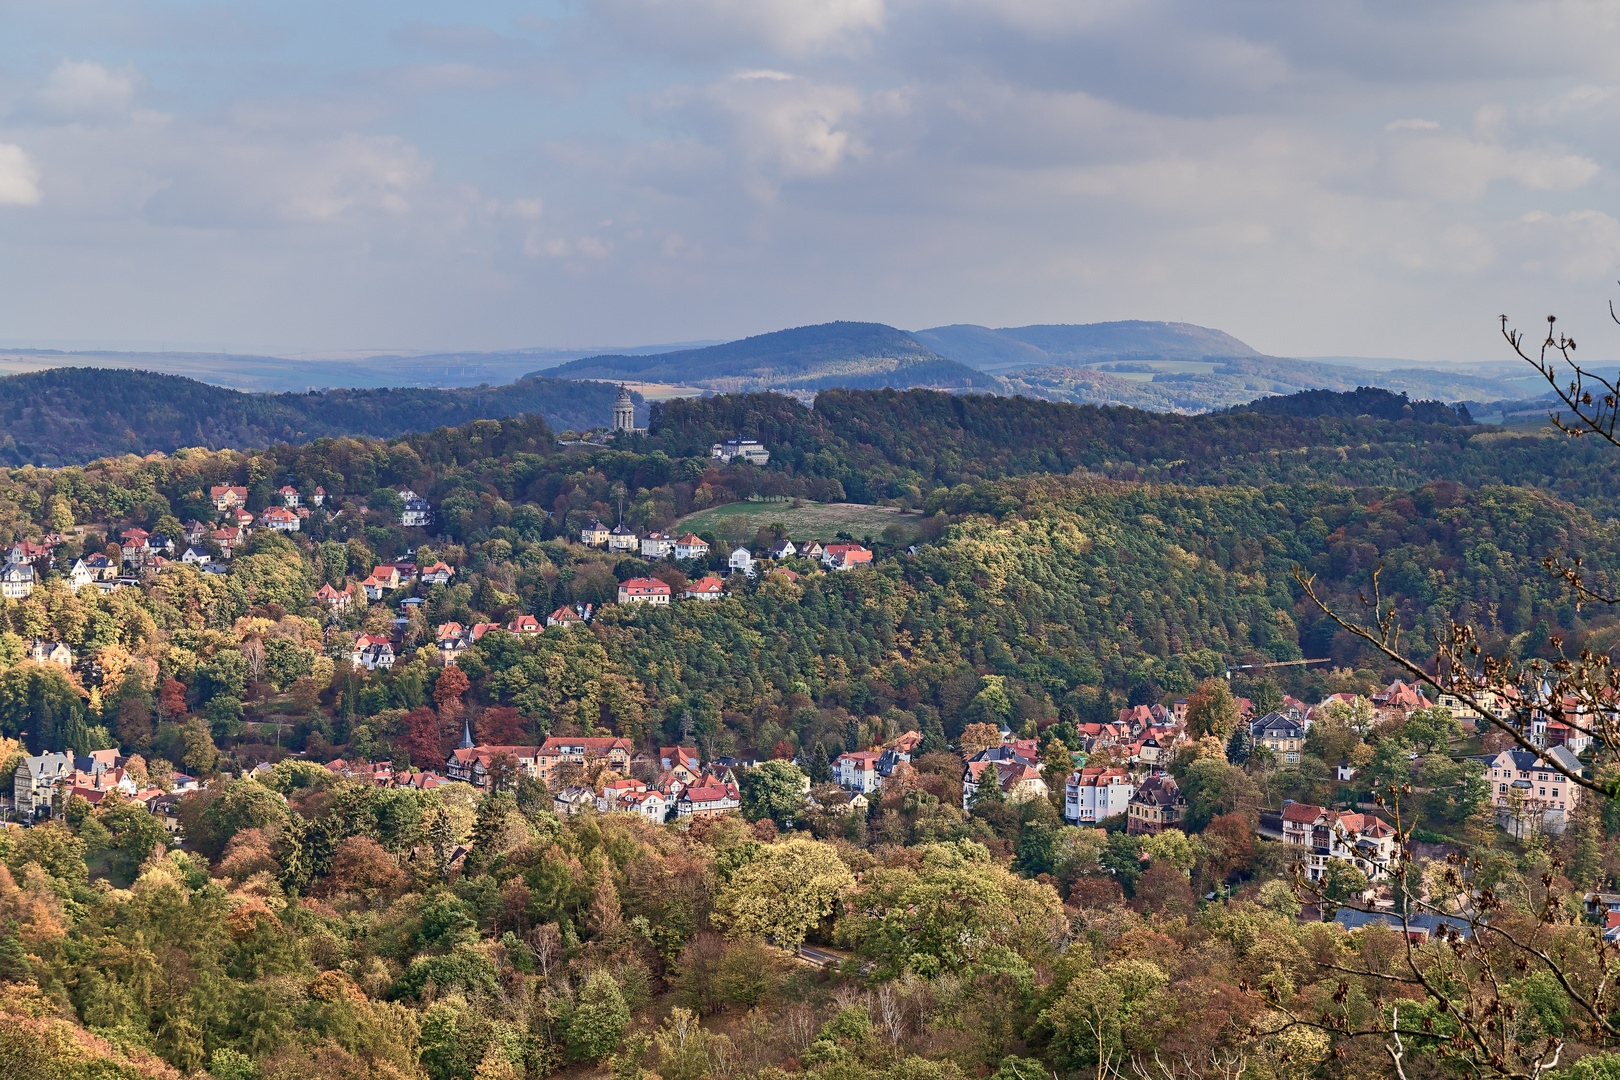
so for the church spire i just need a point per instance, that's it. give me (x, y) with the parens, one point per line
(466, 735)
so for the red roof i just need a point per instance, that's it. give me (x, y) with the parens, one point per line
(1302, 813)
(692, 540)
(644, 586)
(525, 624)
(706, 586)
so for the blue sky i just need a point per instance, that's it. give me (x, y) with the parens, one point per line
(1317, 178)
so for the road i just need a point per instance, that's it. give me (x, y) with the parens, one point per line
(820, 957)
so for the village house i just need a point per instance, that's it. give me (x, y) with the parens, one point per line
(644, 590)
(452, 640)
(858, 770)
(26, 551)
(1396, 702)
(1156, 805)
(1529, 794)
(845, 556)
(472, 764)
(195, 555)
(705, 588)
(437, 574)
(708, 802)
(372, 653)
(565, 616)
(783, 549)
(50, 652)
(741, 562)
(1094, 793)
(336, 599)
(17, 582)
(813, 551)
(681, 762)
(280, 519)
(228, 539)
(226, 499)
(1364, 841)
(1281, 733)
(650, 804)
(594, 534)
(1017, 780)
(622, 539)
(691, 546)
(655, 545)
(319, 498)
(289, 497)
(561, 750)
(79, 575)
(574, 799)
(525, 624)
(748, 450)
(417, 512)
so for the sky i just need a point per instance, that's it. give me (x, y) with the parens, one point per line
(1317, 177)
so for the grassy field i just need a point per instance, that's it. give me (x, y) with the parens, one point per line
(809, 521)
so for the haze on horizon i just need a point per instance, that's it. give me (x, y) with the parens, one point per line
(1361, 178)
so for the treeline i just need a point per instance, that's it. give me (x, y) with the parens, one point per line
(1370, 401)
(899, 445)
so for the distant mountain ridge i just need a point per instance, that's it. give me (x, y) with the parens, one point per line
(1076, 344)
(69, 416)
(804, 358)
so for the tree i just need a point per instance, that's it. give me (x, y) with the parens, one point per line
(1238, 745)
(1212, 710)
(784, 892)
(599, 1020)
(1341, 883)
(820, 770)
(1431, 729)
(977, 737)
(774, 790)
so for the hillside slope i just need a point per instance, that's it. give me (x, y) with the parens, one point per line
(1064, 344)
(851, 354)
(73, 415)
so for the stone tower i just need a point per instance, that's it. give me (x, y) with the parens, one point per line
(624, 411)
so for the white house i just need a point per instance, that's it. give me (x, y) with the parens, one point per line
(622, 539)
(748, 450)
(691, 546)
(742, 562)
(656, 545)
(17, 582)
(417, 513)
(858, 770)
(1095, 793)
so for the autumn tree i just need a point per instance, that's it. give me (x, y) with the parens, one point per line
(784, 892)
(1212, 710)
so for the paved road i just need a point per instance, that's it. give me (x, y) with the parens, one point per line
(818, 956)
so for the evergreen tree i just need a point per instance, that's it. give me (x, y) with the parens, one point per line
(13, 960)
(820, 770)
(1237, 746)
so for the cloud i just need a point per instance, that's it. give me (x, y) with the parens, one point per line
(19, 179)
(220, 180)
(80, 89)
(715, 27)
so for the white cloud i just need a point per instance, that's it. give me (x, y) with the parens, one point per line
(711, 27)
(85, 89)
(19, 178)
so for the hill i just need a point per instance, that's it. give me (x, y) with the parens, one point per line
(805, 358)
(1079, 343)
(1363, 401)
(73, 415)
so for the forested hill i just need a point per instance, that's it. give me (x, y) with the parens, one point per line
(74, 415)
(886, 444)
(804, 358)
(1370, 401)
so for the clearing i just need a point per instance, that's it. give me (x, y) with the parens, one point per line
(807, 521)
